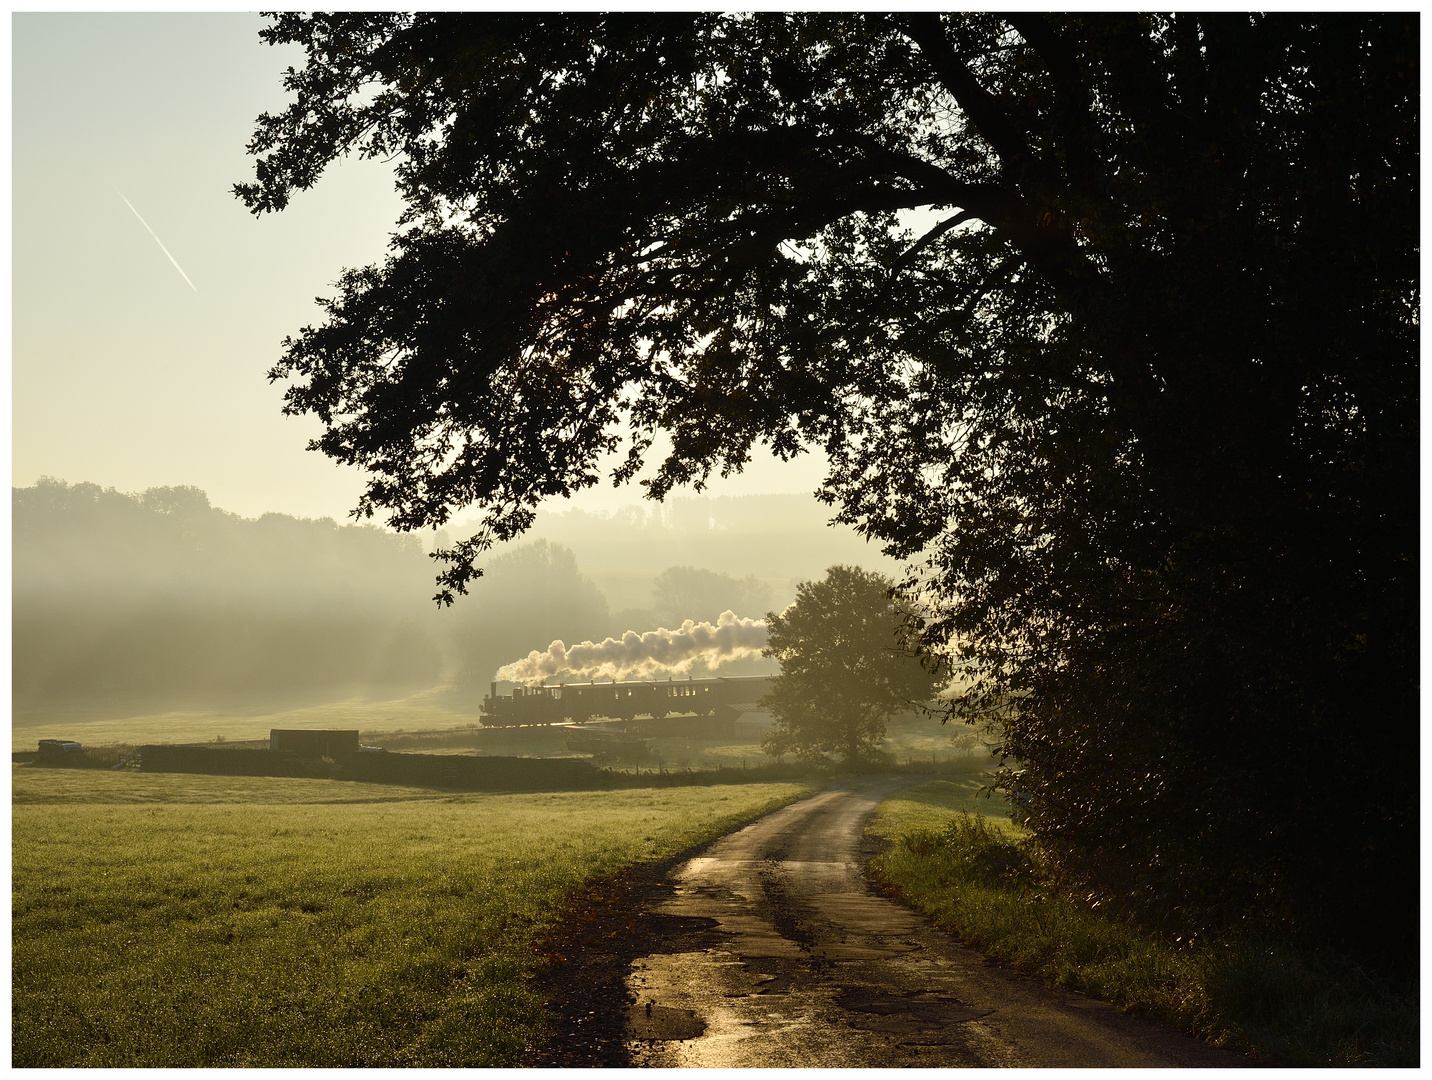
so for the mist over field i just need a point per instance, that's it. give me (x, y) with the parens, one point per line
(160, 601)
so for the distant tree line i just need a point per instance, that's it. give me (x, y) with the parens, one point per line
(160, 599)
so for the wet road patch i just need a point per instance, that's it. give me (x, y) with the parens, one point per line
(649, 1022)
(903, 1013)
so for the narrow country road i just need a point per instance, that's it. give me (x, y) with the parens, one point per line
(785, 958)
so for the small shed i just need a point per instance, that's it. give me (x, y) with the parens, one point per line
(332, 743)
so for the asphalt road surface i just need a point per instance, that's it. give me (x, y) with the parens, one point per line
(788, 959)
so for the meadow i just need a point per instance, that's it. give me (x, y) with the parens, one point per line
(930, 806)
(955, 855)
(180, 920)
(437, 708)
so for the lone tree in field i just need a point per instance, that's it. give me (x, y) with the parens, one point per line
(1109, 323)
(846, 666)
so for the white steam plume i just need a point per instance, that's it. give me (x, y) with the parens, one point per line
(642, 655)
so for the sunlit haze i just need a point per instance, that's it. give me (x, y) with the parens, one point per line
(124, 375)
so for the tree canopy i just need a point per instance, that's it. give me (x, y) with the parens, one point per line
(846, 666)
(687, 592)
(1108, 323)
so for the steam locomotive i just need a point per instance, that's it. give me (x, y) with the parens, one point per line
(580, 702)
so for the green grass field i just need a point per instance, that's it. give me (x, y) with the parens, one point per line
(176, 920)
(437, 708)
(931, 806)
(980, 880)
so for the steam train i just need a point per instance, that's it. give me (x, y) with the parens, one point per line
(581, 702)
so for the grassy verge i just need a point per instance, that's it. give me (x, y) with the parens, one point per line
(981, 880)
(164, 920)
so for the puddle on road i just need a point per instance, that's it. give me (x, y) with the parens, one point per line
(650, 1022)
(916, 1017)
(775, 1013)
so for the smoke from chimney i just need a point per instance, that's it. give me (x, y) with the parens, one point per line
(729, 638)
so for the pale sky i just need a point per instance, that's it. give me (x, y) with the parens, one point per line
(123, 373)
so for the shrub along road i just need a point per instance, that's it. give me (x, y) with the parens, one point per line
(769, 950)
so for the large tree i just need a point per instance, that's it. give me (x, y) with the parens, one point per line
(846, 667)
(1108, 323)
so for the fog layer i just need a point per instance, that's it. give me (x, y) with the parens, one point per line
(159, 600)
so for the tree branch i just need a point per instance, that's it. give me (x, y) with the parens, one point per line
(1140, 89)
(928, 32)
(930, 237)
(1189, 72)
(1074, 106)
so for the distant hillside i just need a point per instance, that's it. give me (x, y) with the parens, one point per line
(159, 600)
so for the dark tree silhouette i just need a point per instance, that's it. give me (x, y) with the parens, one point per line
(846, 667)
(1114, 318)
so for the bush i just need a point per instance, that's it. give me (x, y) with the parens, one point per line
(976, 851)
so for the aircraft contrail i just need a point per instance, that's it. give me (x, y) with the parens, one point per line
(157, 240)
